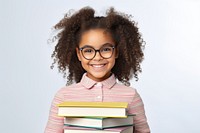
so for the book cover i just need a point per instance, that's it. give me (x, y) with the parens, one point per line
(94, 104)
(98, 123)
(125, 129)
(95, 109)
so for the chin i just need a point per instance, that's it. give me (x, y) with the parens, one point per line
(99, 76)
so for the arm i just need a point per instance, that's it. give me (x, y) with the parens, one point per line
(55, 123)
(140, 121)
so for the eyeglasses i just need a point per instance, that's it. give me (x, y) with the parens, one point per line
(89, 52)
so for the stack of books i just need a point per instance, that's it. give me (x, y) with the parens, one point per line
(96, 117)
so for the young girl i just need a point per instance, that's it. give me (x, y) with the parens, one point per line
(94, 52)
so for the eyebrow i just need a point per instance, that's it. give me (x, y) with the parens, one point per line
(105, 44)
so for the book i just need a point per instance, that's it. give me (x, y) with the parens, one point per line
(94, 109)
(98, 122)
(125, 129)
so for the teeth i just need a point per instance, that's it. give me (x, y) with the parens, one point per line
(97, 66)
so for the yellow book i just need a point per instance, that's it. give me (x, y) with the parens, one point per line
(93, 109)
(94, 104)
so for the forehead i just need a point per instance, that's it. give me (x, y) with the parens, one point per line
(96, 38)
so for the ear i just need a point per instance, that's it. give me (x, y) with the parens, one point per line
(78, 53)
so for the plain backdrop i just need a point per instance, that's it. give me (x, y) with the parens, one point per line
(169, 84)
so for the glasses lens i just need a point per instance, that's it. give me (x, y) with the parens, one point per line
(106, 52)
(88, 52)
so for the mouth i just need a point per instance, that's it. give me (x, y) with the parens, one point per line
(97, 65)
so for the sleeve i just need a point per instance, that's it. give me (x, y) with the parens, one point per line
(137, 107)
(55, 123)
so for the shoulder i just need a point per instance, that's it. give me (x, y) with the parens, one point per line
(66, 89)
(60, 95)
(125, 89)
(120, 85)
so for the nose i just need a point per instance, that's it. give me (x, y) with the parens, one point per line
(97, 55)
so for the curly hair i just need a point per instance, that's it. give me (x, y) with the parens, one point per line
(124, 31)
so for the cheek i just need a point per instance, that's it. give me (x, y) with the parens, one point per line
(112, 61)
(85, 65)
(84, 62)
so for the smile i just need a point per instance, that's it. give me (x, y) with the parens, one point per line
(98, 65)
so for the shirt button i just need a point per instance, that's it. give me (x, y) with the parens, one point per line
(98, 97)
(98, 84)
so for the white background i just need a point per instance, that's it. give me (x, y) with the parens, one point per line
(169, 84)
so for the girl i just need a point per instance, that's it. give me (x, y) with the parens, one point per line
(97, 51)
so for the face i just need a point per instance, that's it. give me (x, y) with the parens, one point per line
(98, 68)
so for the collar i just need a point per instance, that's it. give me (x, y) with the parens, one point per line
(89, 83)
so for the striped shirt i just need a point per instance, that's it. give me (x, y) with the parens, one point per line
(106, 91)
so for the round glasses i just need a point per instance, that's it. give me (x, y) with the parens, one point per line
(89, 52)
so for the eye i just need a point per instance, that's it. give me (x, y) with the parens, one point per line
(88, 50)
(106, 49)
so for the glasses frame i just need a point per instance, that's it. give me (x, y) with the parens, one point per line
(96, 50)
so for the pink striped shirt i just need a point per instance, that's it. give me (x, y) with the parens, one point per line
(89, 90)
